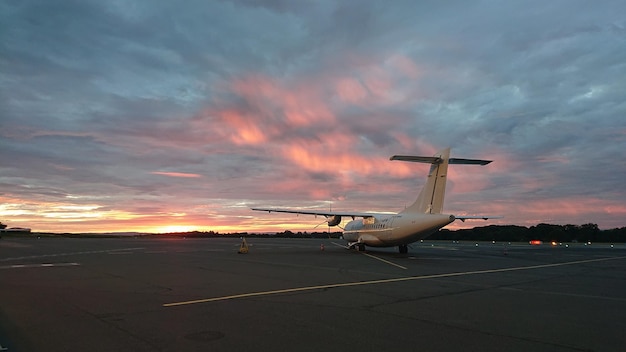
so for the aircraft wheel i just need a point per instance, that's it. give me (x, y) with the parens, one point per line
(403, 248)
(360, 247)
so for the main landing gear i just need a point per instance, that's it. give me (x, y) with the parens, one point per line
(403, 249)
(358, 246)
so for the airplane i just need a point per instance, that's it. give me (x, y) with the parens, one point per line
(420, 220)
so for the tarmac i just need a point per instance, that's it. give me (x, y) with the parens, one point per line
(177, 294)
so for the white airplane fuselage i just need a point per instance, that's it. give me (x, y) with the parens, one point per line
(394, 229)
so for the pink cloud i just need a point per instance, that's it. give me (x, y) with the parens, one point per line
(243, 129)
(297, 104)
(176, 174)
(469, 178)
(404, 66)
(572, 206)
(269, 110)
(564, 210)
(351, 90)
(305, 106)
(379, 84)
(336, 155)
(270, 107)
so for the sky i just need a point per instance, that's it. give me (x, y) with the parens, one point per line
(159, 116)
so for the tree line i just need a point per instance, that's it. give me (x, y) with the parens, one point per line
(510, 233)
(542, 232)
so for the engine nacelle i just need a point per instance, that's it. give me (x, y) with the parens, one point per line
(334, 220)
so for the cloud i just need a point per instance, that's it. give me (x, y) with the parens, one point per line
(176, 174)
(301, 103)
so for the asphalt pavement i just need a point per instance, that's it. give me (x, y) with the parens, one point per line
(177, 294)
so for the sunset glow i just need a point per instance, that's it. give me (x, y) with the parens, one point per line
(107, 126)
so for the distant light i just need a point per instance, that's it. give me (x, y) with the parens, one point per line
(553, 243)
(535, 242)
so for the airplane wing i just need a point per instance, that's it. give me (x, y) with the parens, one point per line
(319, 212)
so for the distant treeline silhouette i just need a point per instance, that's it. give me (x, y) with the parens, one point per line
(510, 233)
(542, 232)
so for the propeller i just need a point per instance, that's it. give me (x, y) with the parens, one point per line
(318, 225)
(328, 221)
(333, 220)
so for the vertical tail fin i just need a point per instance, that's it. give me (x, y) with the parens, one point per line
(430, 199)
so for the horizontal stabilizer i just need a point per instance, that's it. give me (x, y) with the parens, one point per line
(418, 159)
(476, 217)
(469, 161)
(438, 160)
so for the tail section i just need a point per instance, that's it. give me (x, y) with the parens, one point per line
(430, 199)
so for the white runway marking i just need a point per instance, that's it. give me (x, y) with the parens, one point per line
(384, 281)
(339, 245)
(373, 256)
(383, 260)
(71, 253)
(43, 265)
